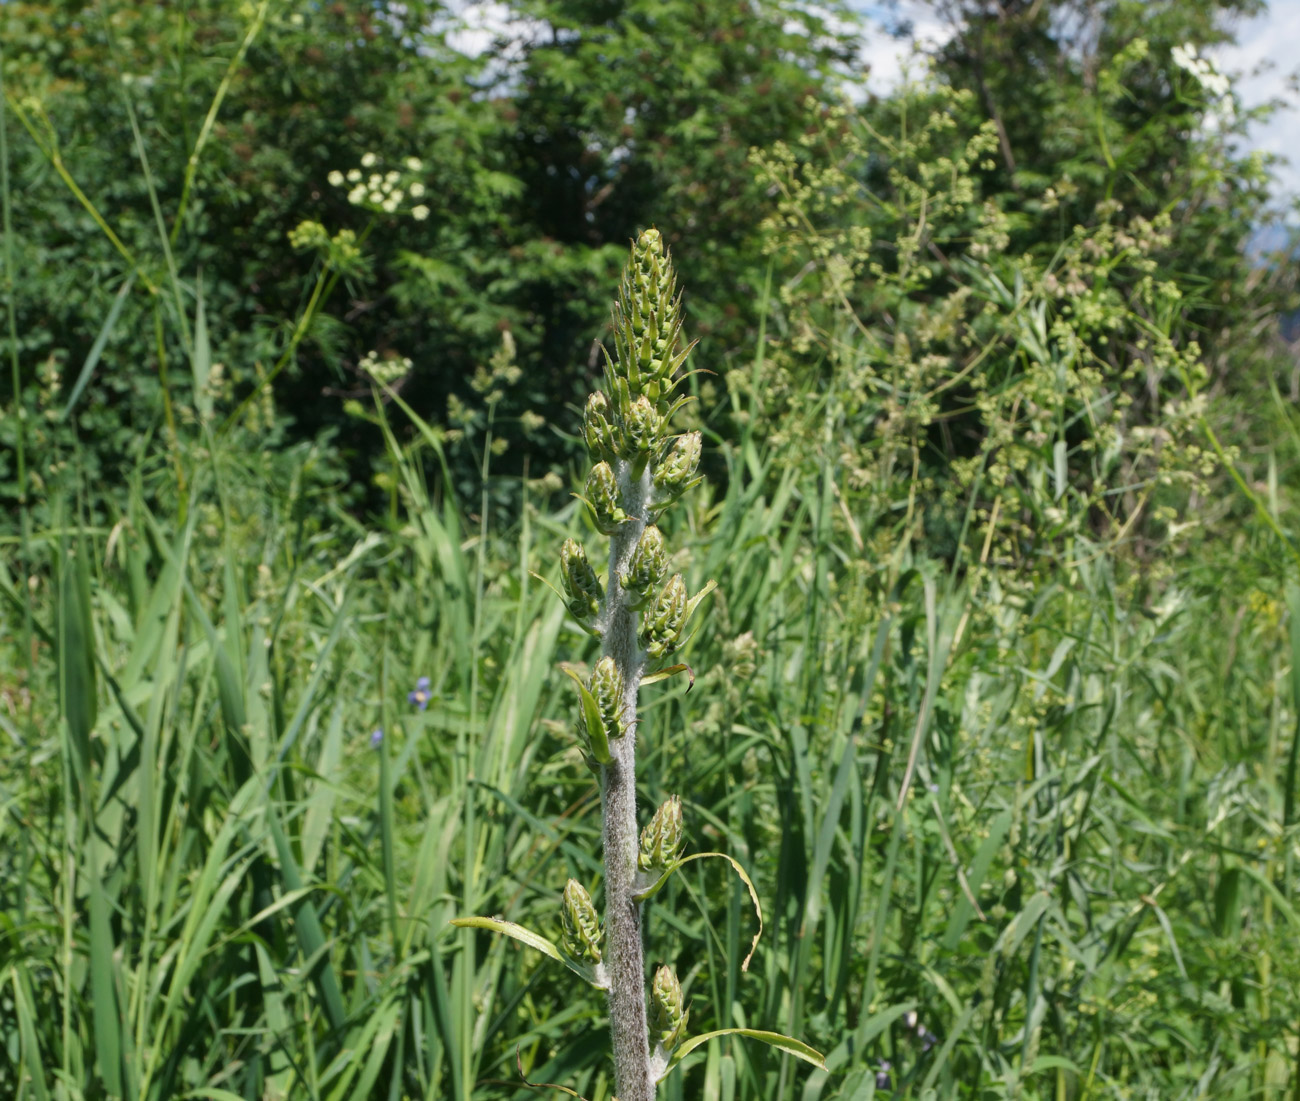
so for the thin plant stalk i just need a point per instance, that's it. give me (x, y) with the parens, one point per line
(627, 1011)
(639, 614)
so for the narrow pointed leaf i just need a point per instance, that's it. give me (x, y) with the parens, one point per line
(658, 885)
(595, 724)
(671, 671)
(201, 363)
(533, 940)
(694, 601)
(97, 349)
(788, 1044)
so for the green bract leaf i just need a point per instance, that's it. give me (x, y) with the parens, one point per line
(671, 671)
(595, 724)
(538, 577)
(658, 884)
(593, 975)
(510, 929)
(695, 600)
(788, 1044)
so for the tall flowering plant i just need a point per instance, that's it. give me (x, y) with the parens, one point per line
(640, 468)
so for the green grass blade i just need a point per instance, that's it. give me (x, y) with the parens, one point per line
(97, 348)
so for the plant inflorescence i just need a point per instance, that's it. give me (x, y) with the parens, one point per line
(639, 612)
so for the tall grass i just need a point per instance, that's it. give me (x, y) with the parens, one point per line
(213, 882)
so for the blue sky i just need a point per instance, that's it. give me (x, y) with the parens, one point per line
(1267, 56)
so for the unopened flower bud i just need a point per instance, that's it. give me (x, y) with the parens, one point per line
(602, 497)
(668, 1013)
(642, 429)
(596, 428)
(650, 275)
(607, 686)
(674, 473)
(582, 930)
(582, 588)
(662, 627)
(661, 840)
(646, 568)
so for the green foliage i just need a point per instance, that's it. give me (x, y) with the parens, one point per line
(222, 129)
(997, 700)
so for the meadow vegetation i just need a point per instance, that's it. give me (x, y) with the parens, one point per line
(997, 698)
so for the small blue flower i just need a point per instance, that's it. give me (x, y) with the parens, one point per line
(883, 1081)
(420, 694)
(928, 1039)
(376, 737)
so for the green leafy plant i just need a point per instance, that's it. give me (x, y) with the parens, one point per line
(639, 614)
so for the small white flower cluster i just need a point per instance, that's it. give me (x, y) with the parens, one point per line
(385, 369)
(1214, 82)
(383, 190)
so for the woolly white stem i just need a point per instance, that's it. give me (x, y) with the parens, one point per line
(624, 954)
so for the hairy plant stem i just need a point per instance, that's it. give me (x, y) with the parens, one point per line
(624, 957)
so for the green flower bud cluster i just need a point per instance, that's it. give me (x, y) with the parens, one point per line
(668, 1012)
(648, 324)
(646, 569)
(675, 473)
(661, 629)
(581, 926)
(598, 428)
(662, 839)
(642, 427)
(582, 589)
(629, 419)
(602, 499)
(606, 686)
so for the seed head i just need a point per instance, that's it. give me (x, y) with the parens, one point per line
(740, 656)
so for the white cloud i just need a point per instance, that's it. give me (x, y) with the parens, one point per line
(888, 60)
